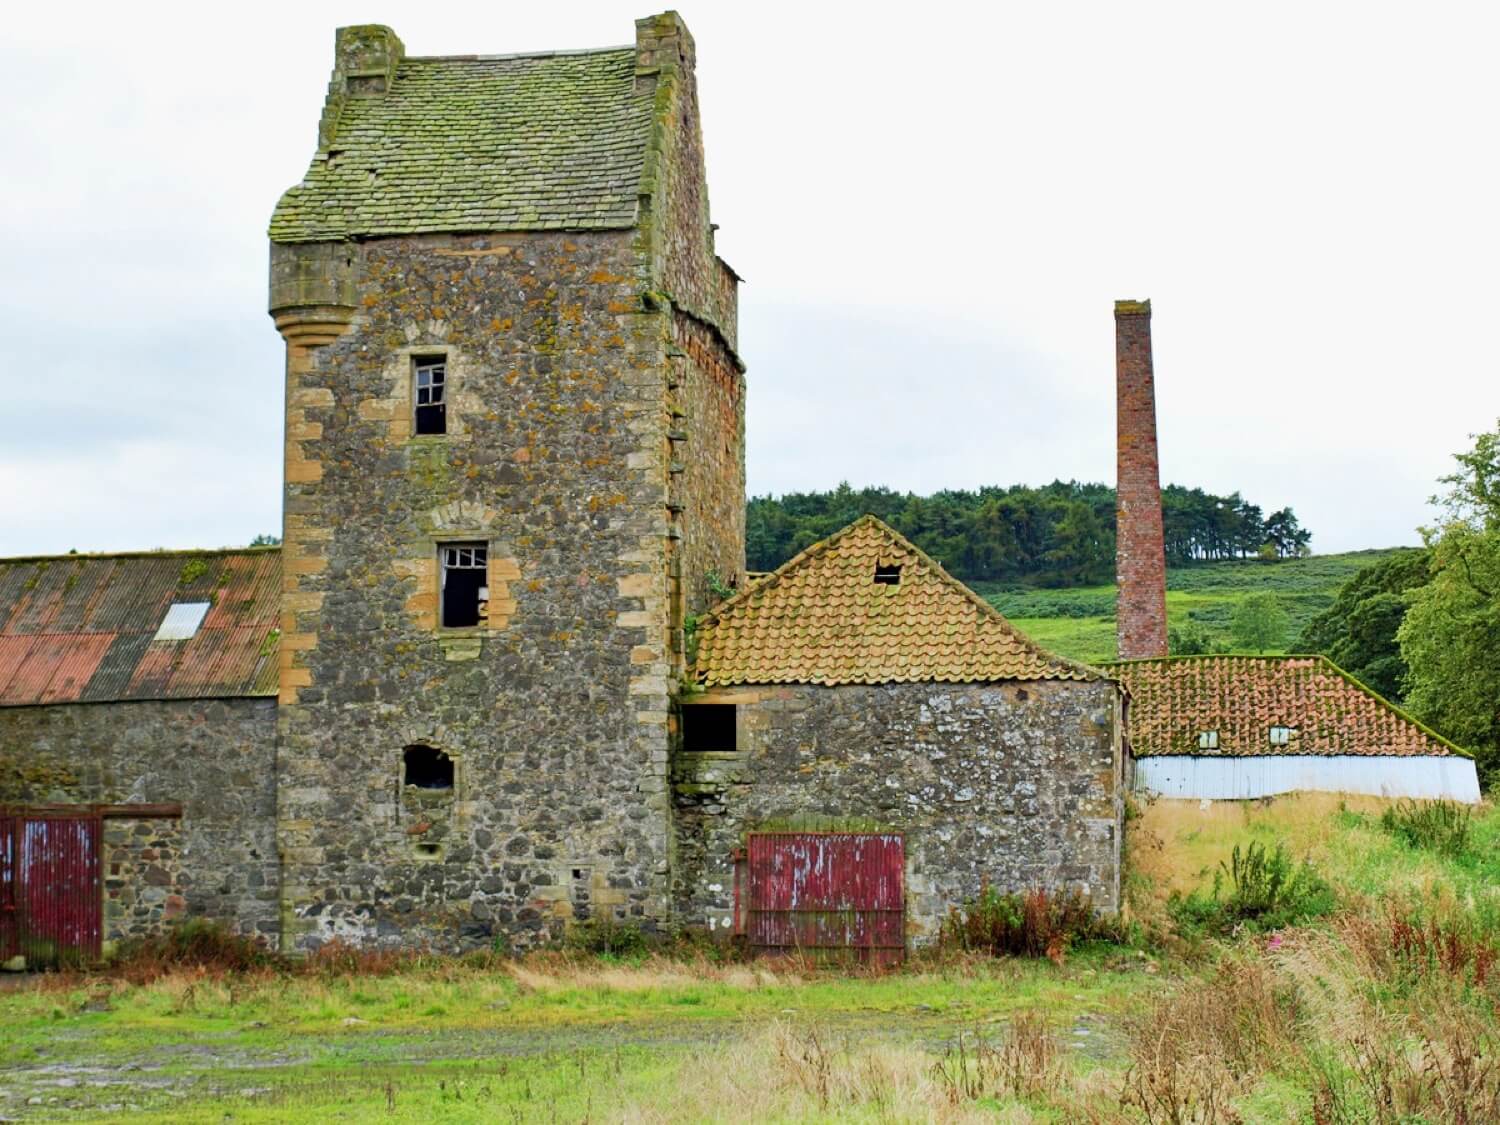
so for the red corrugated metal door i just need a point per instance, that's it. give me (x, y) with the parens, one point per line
(53, 886)
(814, 891)
(10, 932)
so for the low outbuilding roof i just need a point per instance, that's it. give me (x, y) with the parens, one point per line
(1175, 701)
(161, 625)
(866, 606)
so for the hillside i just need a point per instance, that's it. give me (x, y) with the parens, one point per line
(1079, 622)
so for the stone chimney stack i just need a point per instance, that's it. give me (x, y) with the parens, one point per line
(1140, 551)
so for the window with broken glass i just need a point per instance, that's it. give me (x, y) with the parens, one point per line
(465, 588)
(431, 403)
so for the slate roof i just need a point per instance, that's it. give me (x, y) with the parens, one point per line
(1173, 699)
(80, 628)
(472, 143)
(822, 619)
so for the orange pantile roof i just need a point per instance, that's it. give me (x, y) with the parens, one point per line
(82, 628)
(823, 619)
(1174, 699)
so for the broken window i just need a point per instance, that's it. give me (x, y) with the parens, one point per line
(709, 728)
(431, 383)
(422, 767)
(182, 621)
(888, 575)
(465, 584)
(1281, 736)
(1208, 740)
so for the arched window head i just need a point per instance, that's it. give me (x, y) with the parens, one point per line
(422, 767)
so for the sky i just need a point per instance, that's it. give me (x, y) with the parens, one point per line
(934, 208)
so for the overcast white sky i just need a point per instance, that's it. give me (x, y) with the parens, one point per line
(934, 207)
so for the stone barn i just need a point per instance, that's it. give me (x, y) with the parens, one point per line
(456, 706)
(860, 712)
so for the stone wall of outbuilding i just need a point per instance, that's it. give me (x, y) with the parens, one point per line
(1017, 783)
(214, 757)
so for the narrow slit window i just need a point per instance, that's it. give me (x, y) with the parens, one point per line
(423, 767)
(431, 384)
(1281, 736)
(465, 589)
(710, 728)
(1208, 740)
(888, 575)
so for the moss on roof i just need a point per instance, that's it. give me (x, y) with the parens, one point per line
(472, 143)
(1174, 699)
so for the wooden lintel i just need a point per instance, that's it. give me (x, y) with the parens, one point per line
(106, 812)
(725, 695)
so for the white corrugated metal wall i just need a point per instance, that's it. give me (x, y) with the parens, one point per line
(1232, 778)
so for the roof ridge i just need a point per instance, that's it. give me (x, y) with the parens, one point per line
(543, 54)
(812, 550)
(145, 553)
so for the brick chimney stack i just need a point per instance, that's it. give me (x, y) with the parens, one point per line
(1140, 551)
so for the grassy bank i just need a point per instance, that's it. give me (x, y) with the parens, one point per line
(1080, 622)
(1383, 1009)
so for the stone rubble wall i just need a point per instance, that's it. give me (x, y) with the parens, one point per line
(555, 711)
(215, 757)
(1017, 784)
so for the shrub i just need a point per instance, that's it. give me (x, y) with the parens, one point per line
(1039, 923)
(195, 943)
(1258, 888)
(607, 937)
(1438, 826)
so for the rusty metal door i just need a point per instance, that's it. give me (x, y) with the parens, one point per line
(828, 891)
(51, 902)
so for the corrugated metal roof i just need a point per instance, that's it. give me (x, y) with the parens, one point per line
(80, 628)
(1175, 699)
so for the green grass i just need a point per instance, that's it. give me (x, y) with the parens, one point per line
(1079, 622)
(571, 1038)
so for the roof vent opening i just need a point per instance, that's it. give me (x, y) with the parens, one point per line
(888, 575)
(182, 621)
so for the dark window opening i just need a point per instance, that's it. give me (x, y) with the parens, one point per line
(430, 851)
(430, 384)
(426, 768)
(887, 575)
(709, 728)
(465, 584)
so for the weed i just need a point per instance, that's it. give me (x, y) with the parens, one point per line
(1039, 923)
(1439, 826)
(608, 937)
(195, 943)
(1258, 889)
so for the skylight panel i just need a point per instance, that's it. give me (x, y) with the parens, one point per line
(182, 621)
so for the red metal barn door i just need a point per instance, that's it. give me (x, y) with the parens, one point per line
(10, 931)
(58, 898)
(835, 891)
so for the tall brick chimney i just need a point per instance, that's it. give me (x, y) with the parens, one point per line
(1140, 552)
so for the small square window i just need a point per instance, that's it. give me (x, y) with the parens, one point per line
(1281, 736)
(465, 584)
(182, 621)
(710, 728)
(888, 575)
(429, 393)
(1208, 740)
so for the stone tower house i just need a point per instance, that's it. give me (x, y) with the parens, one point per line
(514, 456)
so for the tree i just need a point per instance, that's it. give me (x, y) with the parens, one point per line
(1450, 638)
(1358, 631)
(266, 540)
(1259, 623)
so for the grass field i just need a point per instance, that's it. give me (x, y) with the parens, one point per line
(1080, 622)
(1383, 1011)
